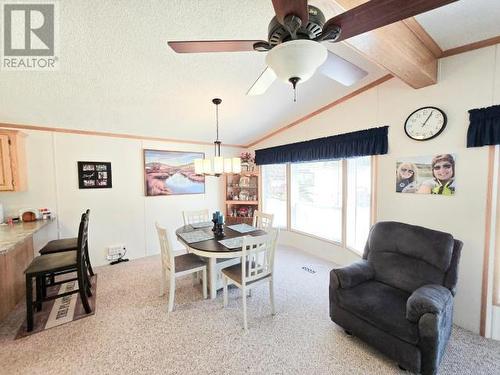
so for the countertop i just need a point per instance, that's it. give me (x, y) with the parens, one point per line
(10, 235)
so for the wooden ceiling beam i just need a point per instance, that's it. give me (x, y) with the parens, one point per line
(396, 48)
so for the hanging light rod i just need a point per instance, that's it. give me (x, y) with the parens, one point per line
(217, 165)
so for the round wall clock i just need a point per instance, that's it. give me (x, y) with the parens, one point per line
(425, 123)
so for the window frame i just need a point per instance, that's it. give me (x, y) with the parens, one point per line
(345, 192)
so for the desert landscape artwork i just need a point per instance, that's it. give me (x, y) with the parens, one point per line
(172, 173)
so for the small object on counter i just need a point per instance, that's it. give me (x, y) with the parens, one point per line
(29, 214)
(45, 213)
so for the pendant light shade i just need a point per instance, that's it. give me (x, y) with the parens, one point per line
(217, 165)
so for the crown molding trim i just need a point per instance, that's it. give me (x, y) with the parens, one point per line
(108, 134)
(471, 46)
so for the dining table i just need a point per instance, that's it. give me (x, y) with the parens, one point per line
(212, 249)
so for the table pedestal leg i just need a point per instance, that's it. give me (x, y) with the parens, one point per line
(212, 272)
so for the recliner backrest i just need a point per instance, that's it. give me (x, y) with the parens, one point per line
(408, 256)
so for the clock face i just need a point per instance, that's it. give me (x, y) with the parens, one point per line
(425, 123)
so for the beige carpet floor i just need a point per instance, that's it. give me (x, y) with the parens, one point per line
(131, 332)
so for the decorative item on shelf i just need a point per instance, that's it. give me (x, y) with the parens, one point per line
(247, 162)
(244, 195)
(218, 228)
(243, 211)
(245, 181)
(218, 165)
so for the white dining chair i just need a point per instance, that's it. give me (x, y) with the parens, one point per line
(256, 267)
(262, 220)
(176, 266)
(199, 216)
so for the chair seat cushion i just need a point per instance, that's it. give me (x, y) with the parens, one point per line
(234, 273)
(186, 262)
(52, 262)
(382, 306)
(57, 246)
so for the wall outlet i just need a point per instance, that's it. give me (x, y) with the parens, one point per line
(115, 252)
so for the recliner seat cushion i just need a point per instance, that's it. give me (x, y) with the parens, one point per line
(381, 305)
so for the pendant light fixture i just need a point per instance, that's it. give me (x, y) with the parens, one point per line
(217, 165)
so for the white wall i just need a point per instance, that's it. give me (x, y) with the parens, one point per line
(121, 214)
(466, 81)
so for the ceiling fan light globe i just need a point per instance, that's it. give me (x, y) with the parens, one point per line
(296, 58)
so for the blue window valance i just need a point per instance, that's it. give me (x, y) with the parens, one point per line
(361, 143)
(484, 127)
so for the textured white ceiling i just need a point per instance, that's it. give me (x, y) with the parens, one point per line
(117, 73)
(462, 22)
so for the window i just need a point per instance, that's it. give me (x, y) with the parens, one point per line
(327, 199)
(316, 199)
(274, 193)
(358, 213)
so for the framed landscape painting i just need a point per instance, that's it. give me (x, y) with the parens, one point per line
(172, 173)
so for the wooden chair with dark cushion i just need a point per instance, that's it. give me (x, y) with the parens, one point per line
(176, 266)
(257, 266)
(44, 266)
(68, 244)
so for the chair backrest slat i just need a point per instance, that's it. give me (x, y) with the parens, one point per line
(83, 234)
(167, 258)
(262, 220)
(199, 216)
(258, 256)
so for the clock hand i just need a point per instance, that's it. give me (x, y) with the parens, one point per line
(427, 119)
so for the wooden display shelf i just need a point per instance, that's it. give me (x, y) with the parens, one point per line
(247, 173)
(251, 203)
(230, 220)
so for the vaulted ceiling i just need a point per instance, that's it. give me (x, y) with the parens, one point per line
(117, 73)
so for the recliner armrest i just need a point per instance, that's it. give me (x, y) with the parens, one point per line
(351, 275)
(427, 299)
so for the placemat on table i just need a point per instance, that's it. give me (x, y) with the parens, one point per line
(232, 243)
(203, 224)
(242, 228)
(196, 236)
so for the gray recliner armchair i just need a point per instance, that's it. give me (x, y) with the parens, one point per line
(399, 297)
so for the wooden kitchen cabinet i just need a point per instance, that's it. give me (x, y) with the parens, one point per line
(12, 161)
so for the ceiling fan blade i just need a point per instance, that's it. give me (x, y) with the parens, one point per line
(265, 80)
(199, 46)
(298, 8)
(341, 70)
(376, 13)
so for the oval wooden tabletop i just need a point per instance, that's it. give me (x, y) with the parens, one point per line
(213, 244)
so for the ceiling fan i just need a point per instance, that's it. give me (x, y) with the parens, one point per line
(295, 36)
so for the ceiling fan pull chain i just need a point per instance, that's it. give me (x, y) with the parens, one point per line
(294, 81)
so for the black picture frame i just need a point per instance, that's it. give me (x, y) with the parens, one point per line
(94, 175)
